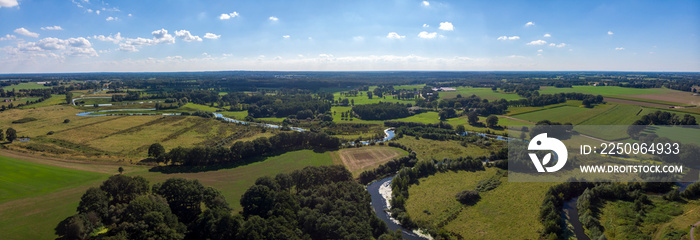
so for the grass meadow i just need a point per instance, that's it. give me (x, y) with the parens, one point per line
(509, 211)
(28, 85)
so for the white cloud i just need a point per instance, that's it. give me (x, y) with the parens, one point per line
(619, 48)
(115, 39)
(529, 24)
(425, 25)
(610, 33)
(82, 52)
(426, 35)
(111, 19)
(358, 38)
(8, 3)
(552, 44)
(273, 18)
(537, 42)
(8, 37)
(98, 12)
(225, 16)
(286, 36)
(52, 28)
(426, 3)
(129, 15)
(561, 45)
(187, 36)
(25, 32)
(446, 26)
(394, 35)
(162, 36)
(547, 35)
(540, 50)
(80, 42)
(127, 48)
(211, 36)
(324, 55)
(508, 38)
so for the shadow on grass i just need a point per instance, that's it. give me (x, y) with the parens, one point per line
(168, 169)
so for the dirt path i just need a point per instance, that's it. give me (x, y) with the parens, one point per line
(692, 229)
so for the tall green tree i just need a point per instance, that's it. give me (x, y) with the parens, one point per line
(11, 134)
(472, 118)
(69, 97)
(156, 151)
(492, 121)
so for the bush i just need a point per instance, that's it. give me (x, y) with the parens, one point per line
(24, 120)
(468, 197)
(50, 133)
(66, 121)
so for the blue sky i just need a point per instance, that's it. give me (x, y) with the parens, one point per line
(182, 35)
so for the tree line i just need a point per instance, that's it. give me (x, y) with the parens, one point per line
(381, 111)
(312, 203)
(243, 151)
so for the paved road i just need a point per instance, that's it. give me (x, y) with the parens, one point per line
(692, 229)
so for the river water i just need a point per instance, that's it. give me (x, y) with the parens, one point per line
(380, 204)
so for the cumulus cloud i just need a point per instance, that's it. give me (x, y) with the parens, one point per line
(619, 48)
(286, 36)
(529, 24)
(394, 35)
(80, 42)
(225, 16)
(446, 26)
(111, 19)
(52, 28)
(273, 18)
(211, 36)
(162, 36)
(540, 50)
(426, 3)
(8, 3)
(187, 36)
(537, 42)
(547, 35)
(127, 48)
(610, 33)
(426, 35)
(25, 32)
(8, 37)
(561, 45)
(115, 39)
(508, 38)
(72, 46)
(425, 25)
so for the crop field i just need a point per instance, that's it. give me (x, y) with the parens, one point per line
(485, 93)
(606, 91)
(364, 158)
(565, 114)
(509, 211)
(29, 85)
(34, 197)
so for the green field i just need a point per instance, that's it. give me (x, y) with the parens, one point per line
(604, 90)
(22, 179)
(662, 217)
(564, 114)
(35, 197)
(485, 93)
(29, 85)
(54, 100)
(508, 212)
(427, 149)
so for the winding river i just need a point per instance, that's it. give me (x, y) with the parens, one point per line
(381, 192)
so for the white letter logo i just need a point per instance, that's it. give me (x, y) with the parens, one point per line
(542, 142)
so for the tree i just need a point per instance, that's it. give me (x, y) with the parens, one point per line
(69, 97)
(2, 135)
(11, 134)
(472, 118)
(123, 189)
(468, 197)
(94, 200)
(121, 170)
(492, 121)
(369, 94)
(460, 129)
(66, 121)
(156, 151)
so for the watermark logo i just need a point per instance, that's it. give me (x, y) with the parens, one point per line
(542, 142)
